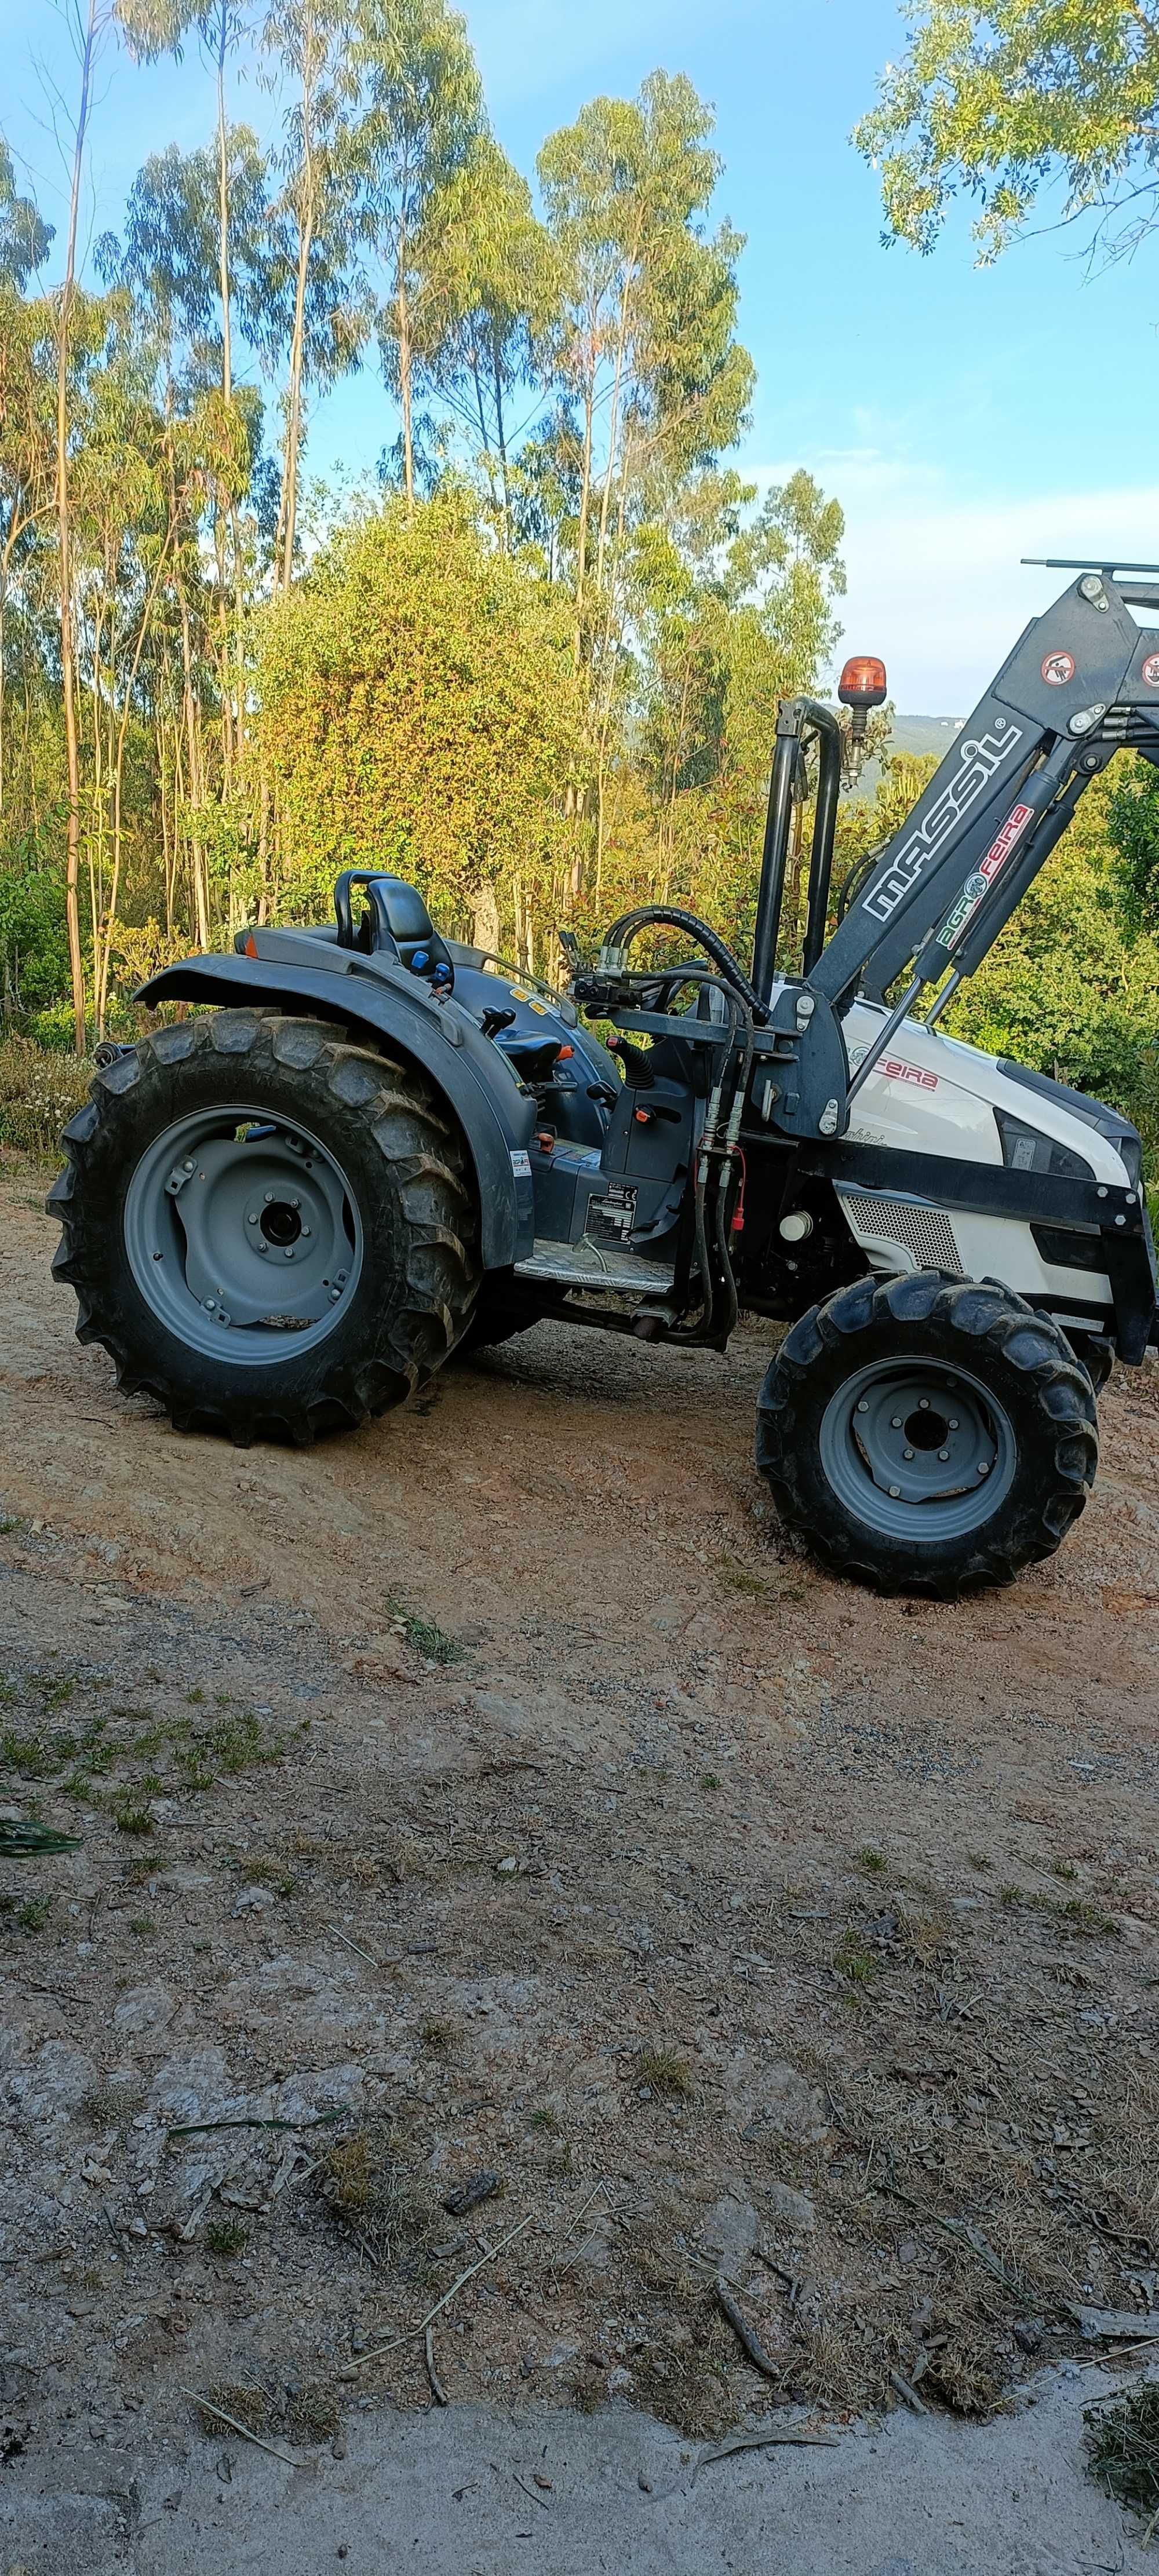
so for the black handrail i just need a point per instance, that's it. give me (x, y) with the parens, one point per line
(797, 720)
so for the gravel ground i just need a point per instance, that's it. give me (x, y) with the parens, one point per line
(556, 1875)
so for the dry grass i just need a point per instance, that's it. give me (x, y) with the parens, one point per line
(371, 2192)
(1123, 2448)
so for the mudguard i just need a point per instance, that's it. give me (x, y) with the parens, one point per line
(378, 1001)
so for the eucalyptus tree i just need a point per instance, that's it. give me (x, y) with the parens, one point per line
(1001, 100)
(88, 22)
(645, 347)
(308, 301)
(488, 298)
(155, 27)
(420, 135)
(25, 484)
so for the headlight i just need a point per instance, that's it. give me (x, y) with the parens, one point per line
(1025, 1150)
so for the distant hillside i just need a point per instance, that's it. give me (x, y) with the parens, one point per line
(917, 735)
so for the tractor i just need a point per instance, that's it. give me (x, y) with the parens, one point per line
(368, 1146)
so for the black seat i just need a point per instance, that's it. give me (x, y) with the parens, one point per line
(395, 920)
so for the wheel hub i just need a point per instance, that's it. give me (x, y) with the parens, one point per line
(917, 1449)
(240, 1226)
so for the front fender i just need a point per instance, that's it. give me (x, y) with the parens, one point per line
(496, 1115)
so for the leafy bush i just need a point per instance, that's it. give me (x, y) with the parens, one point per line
(40, 1090)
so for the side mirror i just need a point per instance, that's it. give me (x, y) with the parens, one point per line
(862, 686)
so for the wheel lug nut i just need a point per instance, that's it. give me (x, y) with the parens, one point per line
(305, 1231)
(895, 1421)
(953, 1422)
(907, 1453)
(943, 1455)
(983, 1466)
(295, 1202)
(263, 1247)
(189, 1167)
(923, 1404)
(289, 1253)
(269, 1198)
(863, 1407)
(251, 1220)
(894, 1493)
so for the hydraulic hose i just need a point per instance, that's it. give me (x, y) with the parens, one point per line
(630, 923)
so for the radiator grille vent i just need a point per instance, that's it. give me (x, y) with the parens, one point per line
(922, 1232)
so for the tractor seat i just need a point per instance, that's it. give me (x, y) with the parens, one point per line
(396, 919)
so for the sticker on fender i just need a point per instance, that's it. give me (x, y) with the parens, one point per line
(521, 1163)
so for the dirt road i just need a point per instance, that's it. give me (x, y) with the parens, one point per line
(492, 1804)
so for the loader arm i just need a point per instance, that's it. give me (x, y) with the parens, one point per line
(1082, 682)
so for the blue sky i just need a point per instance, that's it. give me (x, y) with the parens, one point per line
(963, 417)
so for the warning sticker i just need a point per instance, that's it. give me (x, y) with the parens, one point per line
(1057, 669)
(1151, 670)
(611, 1219)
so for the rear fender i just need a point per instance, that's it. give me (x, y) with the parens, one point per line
(380, 1008)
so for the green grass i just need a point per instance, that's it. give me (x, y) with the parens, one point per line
(425, 1638)
(854, 1962)
(1070, 1913)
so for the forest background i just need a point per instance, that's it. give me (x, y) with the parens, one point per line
(535, 665)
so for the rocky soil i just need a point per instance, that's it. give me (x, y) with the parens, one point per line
(505, 1863)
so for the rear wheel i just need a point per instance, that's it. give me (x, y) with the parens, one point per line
(927, 1433)
(270, 1231)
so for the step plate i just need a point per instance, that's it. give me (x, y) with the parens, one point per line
(595, 1265)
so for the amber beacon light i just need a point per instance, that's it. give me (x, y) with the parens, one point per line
(862, 686)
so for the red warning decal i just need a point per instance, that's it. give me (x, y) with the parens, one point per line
(1057, 669)
(1151, 670)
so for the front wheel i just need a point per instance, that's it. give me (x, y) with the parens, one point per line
(270, 1230)
(927, 1433)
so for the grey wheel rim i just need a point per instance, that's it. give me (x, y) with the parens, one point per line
(918, 1451)
(243, 1235)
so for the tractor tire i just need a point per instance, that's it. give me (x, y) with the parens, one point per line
(222, 1150)
(927, 1434)
(492, 1323)
(1096, 1354)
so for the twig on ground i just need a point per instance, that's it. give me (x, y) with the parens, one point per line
(344, 1937)
(763, 2441)
(744, 2333)
(1119, 2352)
(350, 2369)
(906, 2389)
(438, 2391)
(530, 2491)
(291, 2458)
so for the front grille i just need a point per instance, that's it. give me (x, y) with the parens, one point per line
(923, 1232)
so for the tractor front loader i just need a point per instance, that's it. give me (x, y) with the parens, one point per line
(283, 1212)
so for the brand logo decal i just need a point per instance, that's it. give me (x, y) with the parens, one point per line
(979, 761)
(896, 1071)
(963, 911)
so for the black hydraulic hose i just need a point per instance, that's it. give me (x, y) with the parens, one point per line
(626, 928)
(858, 877)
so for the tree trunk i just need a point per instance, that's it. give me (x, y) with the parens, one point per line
(64, 542)
(485, 916)
(223, 207)
(405, 370)
(306, 210)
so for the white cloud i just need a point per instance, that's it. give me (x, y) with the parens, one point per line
(936, 585)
